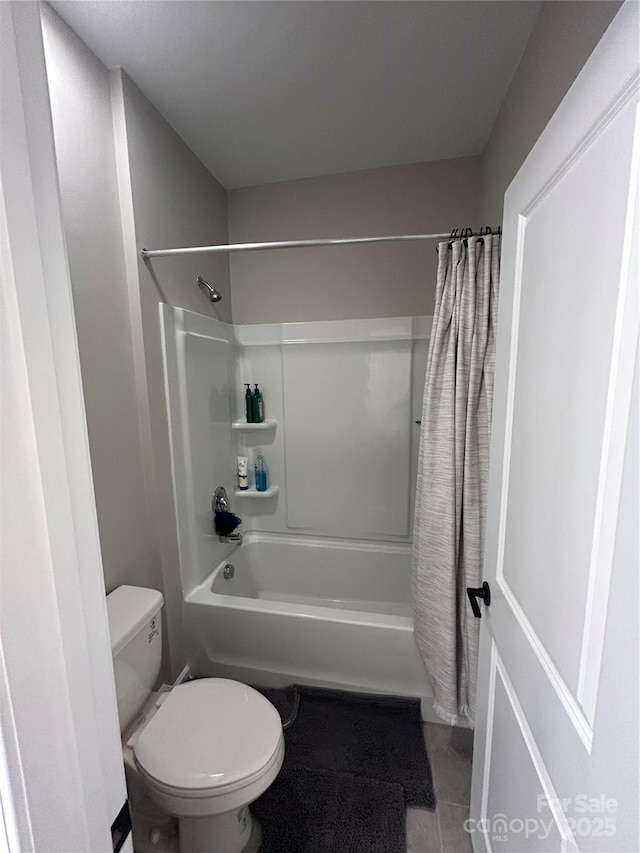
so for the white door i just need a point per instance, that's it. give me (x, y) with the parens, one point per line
(62, 781)
(556, 743)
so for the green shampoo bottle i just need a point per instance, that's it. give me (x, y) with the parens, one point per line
(248, 404)
(258, 406)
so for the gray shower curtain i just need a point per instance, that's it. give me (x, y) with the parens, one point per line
(453, 464)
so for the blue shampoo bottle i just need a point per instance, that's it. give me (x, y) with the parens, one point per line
(260, 470)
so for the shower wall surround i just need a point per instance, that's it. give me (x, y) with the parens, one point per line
(342, 393)
(199, 359)
(345, 395)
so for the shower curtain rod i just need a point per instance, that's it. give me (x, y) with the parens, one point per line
(301, 244)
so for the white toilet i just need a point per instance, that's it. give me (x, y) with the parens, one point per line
(205, 749)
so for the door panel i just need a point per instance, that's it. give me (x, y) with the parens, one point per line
(561, 388)
(522, 816)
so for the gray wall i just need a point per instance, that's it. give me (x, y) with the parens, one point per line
(167, 198)
(176, 202)
(562, 39)
(127, 180)
(390, 280)
(83, 130)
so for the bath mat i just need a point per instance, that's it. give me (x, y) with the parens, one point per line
(378, 737)
(306, 811)
(353, 763)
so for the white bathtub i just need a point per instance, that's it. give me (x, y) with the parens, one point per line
(313, 611)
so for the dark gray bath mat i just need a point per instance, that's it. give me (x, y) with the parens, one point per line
(353, 762)
(306, 811)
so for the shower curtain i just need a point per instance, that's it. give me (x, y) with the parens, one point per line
(453, 464)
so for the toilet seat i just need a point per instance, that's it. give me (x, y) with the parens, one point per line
(212, 739)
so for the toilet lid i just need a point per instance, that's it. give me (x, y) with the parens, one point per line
(209, 733)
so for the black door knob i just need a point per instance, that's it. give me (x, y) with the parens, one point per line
(475, 593)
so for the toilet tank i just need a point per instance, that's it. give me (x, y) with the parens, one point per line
(136, 646)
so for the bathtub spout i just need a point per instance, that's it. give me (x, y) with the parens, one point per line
(232, 537)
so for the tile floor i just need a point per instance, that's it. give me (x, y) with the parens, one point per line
(449, 749)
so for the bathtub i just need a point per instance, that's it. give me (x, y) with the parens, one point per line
(313, 611)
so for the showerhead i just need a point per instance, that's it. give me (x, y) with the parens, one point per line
(208, 290)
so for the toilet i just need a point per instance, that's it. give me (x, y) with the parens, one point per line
(203, 750)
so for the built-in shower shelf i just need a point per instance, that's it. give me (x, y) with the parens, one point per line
(271, 492)
(269, 423)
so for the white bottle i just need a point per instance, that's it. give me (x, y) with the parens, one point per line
(243, 478)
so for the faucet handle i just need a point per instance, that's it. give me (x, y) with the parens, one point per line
(220, 501)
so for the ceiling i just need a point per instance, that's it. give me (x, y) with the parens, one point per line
(268, 91)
